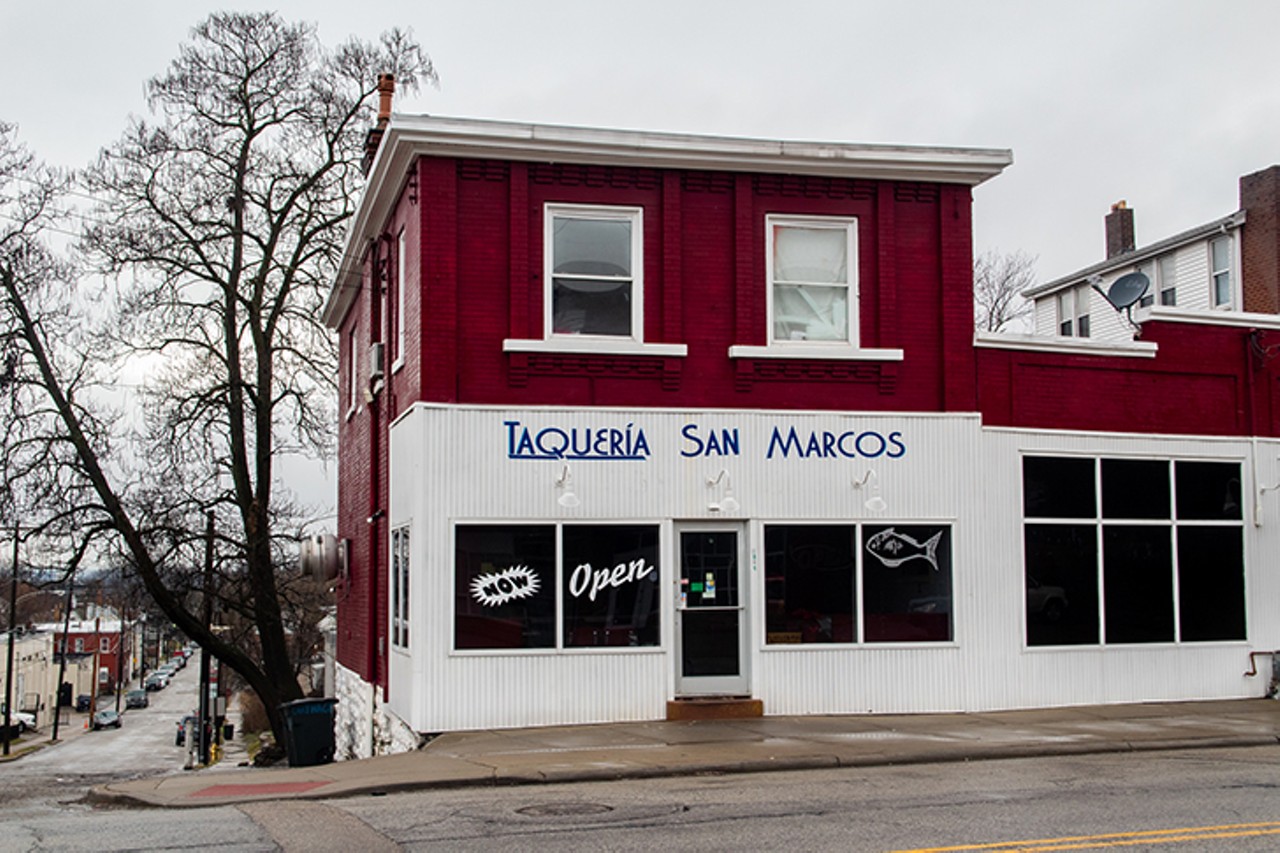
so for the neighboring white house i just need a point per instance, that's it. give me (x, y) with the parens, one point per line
(1223, 267)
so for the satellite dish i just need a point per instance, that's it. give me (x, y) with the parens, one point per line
(1124, 293)
(1127, 290)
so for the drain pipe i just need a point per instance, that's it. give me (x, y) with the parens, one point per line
(1275, 669)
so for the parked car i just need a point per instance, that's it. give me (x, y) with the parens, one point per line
(21, 719)
(84, 702)
(182, 728)
(1045, 602)
(136, 699)
(108, 718)
(156, 681)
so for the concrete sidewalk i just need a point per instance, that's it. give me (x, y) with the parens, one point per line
(641, 750)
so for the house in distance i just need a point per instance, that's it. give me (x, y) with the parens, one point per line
(636, 424)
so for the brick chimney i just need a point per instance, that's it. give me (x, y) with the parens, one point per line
(386, 90)
(1119, 224)
(1260, 241)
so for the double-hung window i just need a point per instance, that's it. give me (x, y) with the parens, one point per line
(594, 272)
(1220, 272)
(1168, 282)
(813, 280)
(399, 310)
(1073, 312)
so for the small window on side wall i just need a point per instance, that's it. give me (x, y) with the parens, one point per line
(813, 280)
(594, 271)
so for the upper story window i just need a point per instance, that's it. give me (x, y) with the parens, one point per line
(397, 310)
(1073, 312)
(1148, 299)
(1167, 280)
(1220, 272)
(813, 282)
(594, 271)
(351, 372)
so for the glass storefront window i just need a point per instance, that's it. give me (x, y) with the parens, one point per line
(906, 583)
(809, 583)
(504, 586)
(610, 584)
(1166, 553)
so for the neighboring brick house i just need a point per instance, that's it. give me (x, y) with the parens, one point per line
(631, 419)
(104, 638)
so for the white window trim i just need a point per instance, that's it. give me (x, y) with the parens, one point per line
(1231, 270)
(633, 215)
(400, 313)
(401, 542)
(849, 348)
(353, 356)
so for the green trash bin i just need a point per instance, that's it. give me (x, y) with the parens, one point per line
(308, 726)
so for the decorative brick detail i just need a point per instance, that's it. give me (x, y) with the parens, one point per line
(708, 182)
(616, 177)
(750, 371)
(920, 193)
(482, 170)
(813, 186)
(524, 365)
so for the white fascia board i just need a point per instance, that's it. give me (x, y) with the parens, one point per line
(1242, 319)
(554, 143)
(1064, 346)
(407, 137)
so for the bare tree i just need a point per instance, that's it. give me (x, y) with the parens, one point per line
(998, 282)
(219, 226)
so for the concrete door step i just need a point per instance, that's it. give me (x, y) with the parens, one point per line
(714, 708)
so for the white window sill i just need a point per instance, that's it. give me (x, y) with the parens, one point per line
(397, 366)
(835, 352)
(593, 346)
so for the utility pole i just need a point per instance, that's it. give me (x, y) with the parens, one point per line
(204, 647)
(62, 666)
(13, 629)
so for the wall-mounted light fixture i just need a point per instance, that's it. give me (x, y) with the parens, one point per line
(1257, 504)
(874, 502)
(728, 503)
(564, 482)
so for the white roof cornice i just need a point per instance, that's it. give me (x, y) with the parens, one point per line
(408, 137)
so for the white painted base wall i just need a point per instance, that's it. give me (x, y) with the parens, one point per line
(363, 725)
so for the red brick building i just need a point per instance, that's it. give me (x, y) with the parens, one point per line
(633, 418)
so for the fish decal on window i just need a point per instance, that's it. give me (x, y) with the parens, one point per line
(893, 548)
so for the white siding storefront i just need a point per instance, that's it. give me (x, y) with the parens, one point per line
(933, 505)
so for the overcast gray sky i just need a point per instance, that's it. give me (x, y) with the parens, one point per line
(1164, 103)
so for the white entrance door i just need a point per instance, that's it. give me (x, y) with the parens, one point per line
(711, 611)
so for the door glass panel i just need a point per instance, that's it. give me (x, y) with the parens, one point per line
(709, 569)
(709, 642)
(709, 623)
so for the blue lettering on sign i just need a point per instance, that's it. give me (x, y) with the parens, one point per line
(578, 443)
(725, 443)
(824, 444)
